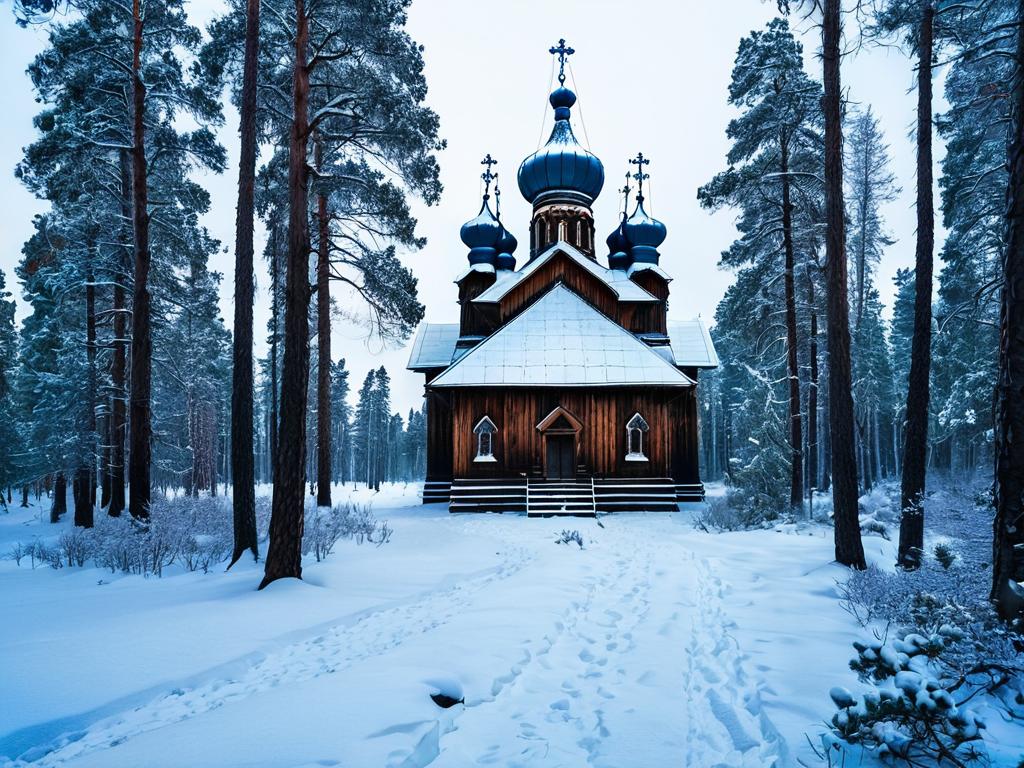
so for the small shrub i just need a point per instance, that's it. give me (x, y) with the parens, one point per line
(570, 537)
(194, 533)
(876, 527)
(945, 555)
(733, 512)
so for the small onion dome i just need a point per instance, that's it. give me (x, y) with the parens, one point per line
(561, 165)
(481, 235)
(506, 246)
(644, 234)
(618, 248)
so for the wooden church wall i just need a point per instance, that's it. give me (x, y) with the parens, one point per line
(564, 269)
(601, 444)
(636, 317)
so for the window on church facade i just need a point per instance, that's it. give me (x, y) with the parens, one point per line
(484, 431)
(636, 428)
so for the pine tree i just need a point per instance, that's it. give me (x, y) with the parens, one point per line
(776, 146)
(915, 20)
(870, 183)
(10, 443)
(849, 547)
(115, 78)
(361, 95)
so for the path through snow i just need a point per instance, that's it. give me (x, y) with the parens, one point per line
(623, 653)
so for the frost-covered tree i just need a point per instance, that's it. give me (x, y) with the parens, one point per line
(10, 448)
(345, 89)
(772, 180)
(115, 75)
(869, 184)
(341, 427)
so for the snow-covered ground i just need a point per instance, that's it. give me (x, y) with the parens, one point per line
(655, 645)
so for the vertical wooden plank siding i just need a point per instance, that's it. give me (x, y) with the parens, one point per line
(519, 447)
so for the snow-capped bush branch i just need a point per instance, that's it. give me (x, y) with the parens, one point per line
(911, 715)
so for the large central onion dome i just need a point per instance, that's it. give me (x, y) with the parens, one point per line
(561, 168)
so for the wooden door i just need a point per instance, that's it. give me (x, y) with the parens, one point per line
(561, 458)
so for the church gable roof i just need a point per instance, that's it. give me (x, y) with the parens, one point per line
(560, 340)
(691, 344)
(616, 279)
(434, 346)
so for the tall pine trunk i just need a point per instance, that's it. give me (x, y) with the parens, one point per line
(84, 493)
(119, 355)
(284, 555)
(60, 498)
(812, 391)
(323, 336)
(1008, 527)
(915, 444)
(142, 344)
(243, 478)
(849, 548)
(275, 320)
(796, 488)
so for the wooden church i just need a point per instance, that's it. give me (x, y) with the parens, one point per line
(564, 388)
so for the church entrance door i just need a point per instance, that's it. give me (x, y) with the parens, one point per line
(561, 458)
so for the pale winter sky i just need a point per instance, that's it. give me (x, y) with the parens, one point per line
(651, 75)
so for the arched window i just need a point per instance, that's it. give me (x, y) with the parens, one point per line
(636, 428)
(484, 431)
(579, 234)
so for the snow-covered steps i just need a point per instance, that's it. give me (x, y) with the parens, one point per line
(635, 494)
(582, 495)
(435, 491)
(689, 491)
(488, 495)
(560, 497)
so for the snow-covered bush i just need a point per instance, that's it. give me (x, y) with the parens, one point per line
(570, 537)
(912, 713)
(737, 511)
(325, 526)
(194, 533)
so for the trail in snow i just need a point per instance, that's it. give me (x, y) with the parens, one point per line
(593, 693)
(328, 652)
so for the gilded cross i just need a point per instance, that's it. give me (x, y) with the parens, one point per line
(563, 51)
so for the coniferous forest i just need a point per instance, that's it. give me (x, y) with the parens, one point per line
(861, 443)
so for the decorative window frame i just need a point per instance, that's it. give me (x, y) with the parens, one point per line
(485, 429)
(639, 425)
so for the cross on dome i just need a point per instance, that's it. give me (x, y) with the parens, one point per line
(563, 51)
(640, 161)
(487, 176)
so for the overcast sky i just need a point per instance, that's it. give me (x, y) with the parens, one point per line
(651, 75)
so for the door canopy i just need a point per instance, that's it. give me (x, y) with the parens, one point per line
(560, 421)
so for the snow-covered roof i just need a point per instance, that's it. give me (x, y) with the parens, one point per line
(433, 346)
(691, 344)
(616, 279)
(560, 340)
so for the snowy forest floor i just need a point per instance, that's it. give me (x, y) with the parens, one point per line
(656, 644)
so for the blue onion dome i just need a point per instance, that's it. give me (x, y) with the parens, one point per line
(644, 234)
(506, 246)
(561, 168)
(618, 248)
(481, 234)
